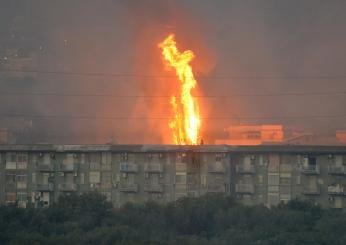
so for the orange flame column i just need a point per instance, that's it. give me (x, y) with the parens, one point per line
(186, 122)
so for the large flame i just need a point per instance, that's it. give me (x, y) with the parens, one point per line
(186, 122)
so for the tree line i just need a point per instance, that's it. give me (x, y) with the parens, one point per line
(211, 219)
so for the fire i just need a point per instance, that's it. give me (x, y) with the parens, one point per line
(186, 122)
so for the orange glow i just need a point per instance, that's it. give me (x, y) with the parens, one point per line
(186, 122)
(253, 135)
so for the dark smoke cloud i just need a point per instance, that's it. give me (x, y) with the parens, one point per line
(230, 38)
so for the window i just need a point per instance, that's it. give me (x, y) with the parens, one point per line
(106, 166)
(154, 179)
(22, 196)
(22, 161)
(22, 165)
(94, 177)
(69, 159)
(273, 188)
(339, 160)
(273, 179)
(274, 163)
(260, 179)
(12, 157)
(285, 190)
(181, 157)
(94, 166)
(312, 161)
(286, 167)
(46, 159)
(33, 177)
(273, 199)
(285, 180)
(204, 181)
(219, 157)
(108, 195)
(11, 165)
(45, 178)
(94, 157)
(22, 158)
(11, 197)
(192, 179)
(180, 167)
(10, 178)
(253, 135)
(21, 181)
(106, 181)
(124, 156)
(338, 202)
(247, 161)
(81, 178)
(180, 179)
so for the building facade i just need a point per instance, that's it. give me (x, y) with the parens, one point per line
(37, 174)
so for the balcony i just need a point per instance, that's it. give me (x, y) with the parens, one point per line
(45, 167)
(245, 169)
(66, 168)
(128, 167)
(45, 187)
(336, 190)
(153, 168)
(245, 188)
(337, 170)
(67, 187)
(312, 190)
(153, 188)
(214, 188)
(310, 169)
(216, 167)
(124, 187)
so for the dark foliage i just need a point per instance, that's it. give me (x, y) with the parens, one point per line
(212, 219)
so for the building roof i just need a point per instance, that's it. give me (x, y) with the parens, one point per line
(298, 149)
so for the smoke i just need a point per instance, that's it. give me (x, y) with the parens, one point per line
(241, 47)
(150, 22)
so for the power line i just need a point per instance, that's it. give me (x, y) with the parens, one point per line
(332, 93)
(86, 117)
(151, 76)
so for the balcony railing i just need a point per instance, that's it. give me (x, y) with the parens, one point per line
(154, 188)
(337, 170)
(128, 167)
(45, 187)
(245, 169)
(312, 190)
(245, 188)
(336, 190)
(68, 187)
(66, 168)
(45, 167)
(220, 188)
(124, 187)
(153, 168)
(310, 169)
(216, 167)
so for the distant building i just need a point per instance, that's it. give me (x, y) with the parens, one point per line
(341, 136)
(19, 65)
(37, 175)
(253, 135)
(6, 137)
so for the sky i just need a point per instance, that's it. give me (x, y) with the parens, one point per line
(257, 61)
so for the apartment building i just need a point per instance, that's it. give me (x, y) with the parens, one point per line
(266, 174)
